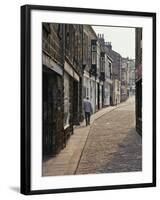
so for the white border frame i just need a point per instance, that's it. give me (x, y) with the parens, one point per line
(43, 183)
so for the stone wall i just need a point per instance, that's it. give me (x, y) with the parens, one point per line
(61, 45)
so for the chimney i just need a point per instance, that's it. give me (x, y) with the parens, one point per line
(108, 45)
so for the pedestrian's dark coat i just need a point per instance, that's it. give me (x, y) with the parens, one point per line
(87, 106)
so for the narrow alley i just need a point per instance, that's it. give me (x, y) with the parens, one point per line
(110, 144)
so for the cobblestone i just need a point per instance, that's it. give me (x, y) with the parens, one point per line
(109, 145)
(113, 144)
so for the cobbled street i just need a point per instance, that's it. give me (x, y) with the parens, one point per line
(113, 145)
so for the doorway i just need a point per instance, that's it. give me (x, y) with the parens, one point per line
(52, 113)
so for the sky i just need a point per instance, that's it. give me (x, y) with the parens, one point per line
(122, 39)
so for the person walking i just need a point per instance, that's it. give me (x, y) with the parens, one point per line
(88, 110)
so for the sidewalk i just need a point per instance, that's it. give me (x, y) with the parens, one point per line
(66, 162)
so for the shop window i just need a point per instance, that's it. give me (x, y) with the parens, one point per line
(66, 100)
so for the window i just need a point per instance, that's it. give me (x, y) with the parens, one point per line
(102, 64)
(94, 58)
(110, 70)
(94, 52)
(66, 100)
(94, 48)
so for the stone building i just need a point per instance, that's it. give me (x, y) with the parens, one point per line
(92, 87)
(124, 79)
(108, 83)
(116, 89)
(117, 60)
(105, 72)
(131, 81)
(52, 58)
(72, 76)
(62, 83)
(116, 73)
(138, 79)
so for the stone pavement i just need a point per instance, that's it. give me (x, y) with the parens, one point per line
(79, 155)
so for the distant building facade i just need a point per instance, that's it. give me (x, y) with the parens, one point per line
(131, 78)
(116, 74)
(106, 72)
(124, 79)
(117, 60)
(116, 94)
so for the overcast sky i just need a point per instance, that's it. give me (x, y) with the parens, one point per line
(122, 39)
